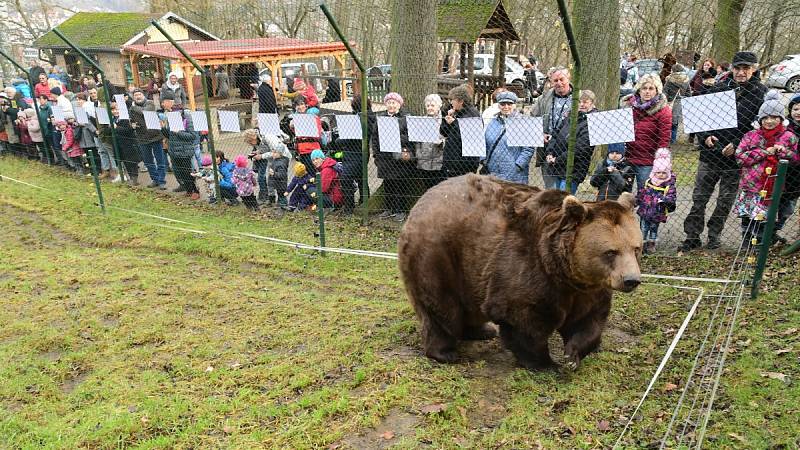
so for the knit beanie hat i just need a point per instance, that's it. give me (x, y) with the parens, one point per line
(206, 161)
(317, 154)
(240, 161)
(55, 91)
(795, 100)
(167, 95)
(772, 106)
(618, 147)
(300, 170)
(662, 162)
(393, 96)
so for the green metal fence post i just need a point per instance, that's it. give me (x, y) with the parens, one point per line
(769, 227)
(320, 211)
(576, 89)
(47, 147)
(204, 78)
(364, 113)
(106, 94)
(91, 155)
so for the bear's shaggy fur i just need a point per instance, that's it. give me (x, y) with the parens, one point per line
(477, 249)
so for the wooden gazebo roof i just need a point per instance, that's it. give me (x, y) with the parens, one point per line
(466, 21)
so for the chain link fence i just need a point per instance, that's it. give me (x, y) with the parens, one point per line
(694, 154)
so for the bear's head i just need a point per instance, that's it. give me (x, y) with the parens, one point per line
(600, 243)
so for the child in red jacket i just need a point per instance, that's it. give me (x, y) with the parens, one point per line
(331, 187)
(71, 146)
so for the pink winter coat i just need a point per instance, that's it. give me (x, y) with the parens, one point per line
(652, 128)
(68, 143)
(754, 160)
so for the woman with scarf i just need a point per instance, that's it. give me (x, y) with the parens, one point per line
(652, 125)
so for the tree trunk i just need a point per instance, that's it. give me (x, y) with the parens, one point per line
(414, 56)
(596, 25)
(726, 29)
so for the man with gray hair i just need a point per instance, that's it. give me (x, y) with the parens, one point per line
(553, 107)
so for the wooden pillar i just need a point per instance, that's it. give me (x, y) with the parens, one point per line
(137, 81)
(500, 59)
(273, 73)
(342, 83)
(462, 60)
(471, 64)
(188, 74)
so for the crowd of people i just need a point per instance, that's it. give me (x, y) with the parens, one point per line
(280, 170)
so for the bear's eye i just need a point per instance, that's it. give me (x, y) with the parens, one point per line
(611, 254)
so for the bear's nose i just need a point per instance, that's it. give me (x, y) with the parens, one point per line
(630, 283)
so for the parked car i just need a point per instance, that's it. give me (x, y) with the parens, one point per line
(514, 73)
(648, 65)
(785, 74)
(294, 70)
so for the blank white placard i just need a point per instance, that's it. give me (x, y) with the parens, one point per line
(269, 123)
(102, 117)
(199, 120)
(58, 112)
(349, 126)
(229, 121)
(151, 120)
(473, 141)
(610, 127)
(524, 131)
(80, 115)
(122, 107)
(389, 135)
(423, 129)
(305, 125)
(175, 120)
(709, 112)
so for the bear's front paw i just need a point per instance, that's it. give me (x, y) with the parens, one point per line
(537, 363)
(443, 356)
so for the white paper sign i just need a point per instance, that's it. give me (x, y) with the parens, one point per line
(709, 112)
(175, 120)
(610, 127)
(389, 135)
(305, 125)
(58, 113)
(199, 121)
(229, 121)
(349, 126)
(151, 120)
(269, 123)
(102, 116)
(80, 115)
(473, 141)
(423, 129)
(524, 131)
(122, 107)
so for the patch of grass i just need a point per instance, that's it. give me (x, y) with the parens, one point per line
(119, 333)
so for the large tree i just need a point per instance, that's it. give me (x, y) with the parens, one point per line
(413, 54)
(726, 29)
(598, 45)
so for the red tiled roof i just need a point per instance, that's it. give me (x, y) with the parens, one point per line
(237, 47)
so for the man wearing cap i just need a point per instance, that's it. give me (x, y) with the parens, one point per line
(503, 160)
(149, 141)
(717, 163)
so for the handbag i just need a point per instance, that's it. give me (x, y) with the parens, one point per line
(483, 167)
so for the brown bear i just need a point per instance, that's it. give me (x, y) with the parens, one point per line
(477, 249)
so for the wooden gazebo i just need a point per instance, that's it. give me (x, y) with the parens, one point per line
(270, 51)
(465, 22)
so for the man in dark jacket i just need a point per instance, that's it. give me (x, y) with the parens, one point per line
(558, 146)
(553, 107)
(149, 140)
(352, 160)
(181, 145)
(717, 163)
(266, 97)
(454, 162)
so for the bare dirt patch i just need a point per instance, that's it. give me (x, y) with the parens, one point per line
(395, 426)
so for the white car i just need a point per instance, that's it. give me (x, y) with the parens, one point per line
(785, 74)
(514, 74)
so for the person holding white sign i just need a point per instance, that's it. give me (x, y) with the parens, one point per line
(394, 168)
(558, 146)
(652, 125)
(306, 145)
(455, 163)
(553, 107)
(181, 145)
(351, 176)
(717, 163)
(149, 141)
(430, 155)
(502, 160)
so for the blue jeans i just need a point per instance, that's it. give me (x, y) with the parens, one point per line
(550, 181)
(674, 136)
(649, 230)
(155, 160)
(642, 174)
(562, 185)
(260, 166)
(198, 156)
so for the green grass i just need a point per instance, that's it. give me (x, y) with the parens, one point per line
(117, 333)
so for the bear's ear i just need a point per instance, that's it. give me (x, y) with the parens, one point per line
(573, 212)
(627, 200)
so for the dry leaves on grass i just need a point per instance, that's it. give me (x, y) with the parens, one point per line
(433, 408)
(604, 425)
(669, 387)
(387, 435)
(776, 376)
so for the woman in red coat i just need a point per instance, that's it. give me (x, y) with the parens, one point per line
(652, 124)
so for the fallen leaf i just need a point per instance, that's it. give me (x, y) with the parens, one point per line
(782, 351)
(775, 376)
(433, 408)
(144, 420)
(388, 435)
(789, 331)
(670, 387)
(737, 437)
(227, 429)
(603, 425)
(209, 369)
(334, 446)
